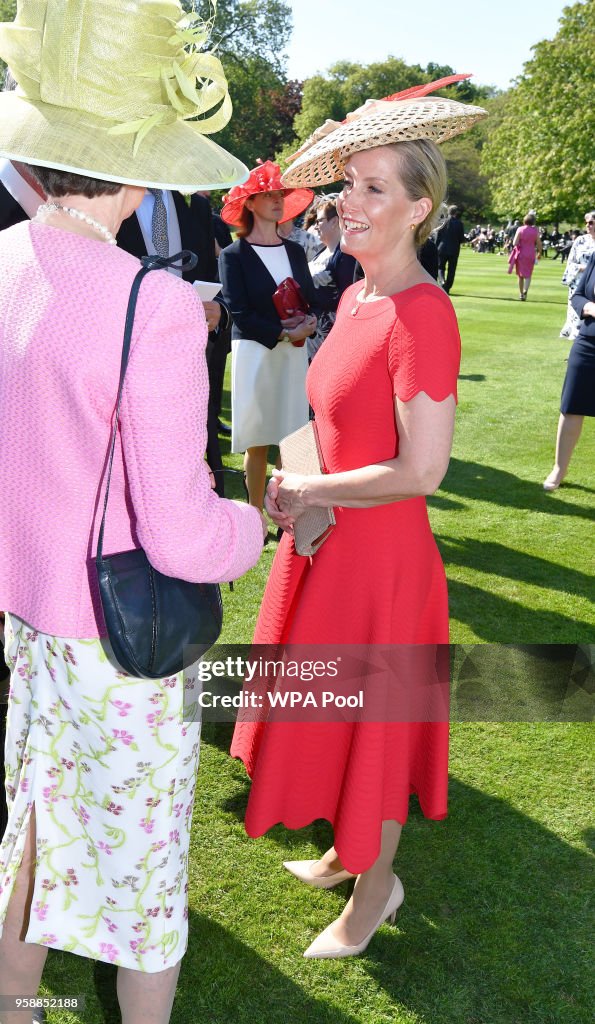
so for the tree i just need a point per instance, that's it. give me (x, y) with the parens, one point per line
(467, 187)
(244, 28)
(264, 108)
(540, 155)
(8, 10)
(346, 86)
(250, 36)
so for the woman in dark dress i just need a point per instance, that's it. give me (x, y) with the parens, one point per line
(578, 392)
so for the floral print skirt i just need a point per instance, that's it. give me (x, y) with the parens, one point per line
(109, 762)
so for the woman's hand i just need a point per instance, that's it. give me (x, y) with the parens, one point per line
(289, 493)
(303, 330)
(292, 321)
(588, 309)
(279, 517)
(265, 526)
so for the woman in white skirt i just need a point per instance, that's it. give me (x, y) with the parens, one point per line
(269, 355)
(100, 766)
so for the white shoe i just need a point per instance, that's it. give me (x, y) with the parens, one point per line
(302, 869)
(327, 947)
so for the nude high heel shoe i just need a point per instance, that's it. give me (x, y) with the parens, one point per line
(302, 869)
(551, 485)
(326, 946)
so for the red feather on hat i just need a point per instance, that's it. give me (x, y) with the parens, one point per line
(423, 90)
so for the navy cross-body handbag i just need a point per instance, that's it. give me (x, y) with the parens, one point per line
(156, 624)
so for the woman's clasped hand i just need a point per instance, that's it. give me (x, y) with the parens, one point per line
(285, 498)
(298, 328)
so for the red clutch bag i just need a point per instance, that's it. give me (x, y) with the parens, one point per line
(289, 300)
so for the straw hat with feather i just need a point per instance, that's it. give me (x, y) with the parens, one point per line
(403, 116)
(120, 90)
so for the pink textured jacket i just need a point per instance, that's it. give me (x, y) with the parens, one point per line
(63, 300)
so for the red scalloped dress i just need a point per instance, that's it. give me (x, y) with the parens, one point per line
(378, 579)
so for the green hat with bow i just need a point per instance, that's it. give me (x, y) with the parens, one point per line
(121, 90)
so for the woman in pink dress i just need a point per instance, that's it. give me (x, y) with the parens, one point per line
(526, 249)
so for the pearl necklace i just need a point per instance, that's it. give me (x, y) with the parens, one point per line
(101, 229)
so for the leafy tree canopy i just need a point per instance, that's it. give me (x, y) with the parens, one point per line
(540, 155)
(250, 37)
(245, 28)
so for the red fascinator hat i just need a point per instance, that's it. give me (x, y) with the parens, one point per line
(266, 177)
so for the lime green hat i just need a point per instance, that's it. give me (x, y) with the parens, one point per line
(119, 90)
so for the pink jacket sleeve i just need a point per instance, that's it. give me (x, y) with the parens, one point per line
(186, 530)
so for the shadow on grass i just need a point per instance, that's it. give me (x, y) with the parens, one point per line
(446, 504)
(489, 556)
(223, 980)
(490, 614)
(477, 481)
(495, 926)
(472, 376)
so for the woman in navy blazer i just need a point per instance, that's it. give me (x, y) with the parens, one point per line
(578, 392)
(269, 357)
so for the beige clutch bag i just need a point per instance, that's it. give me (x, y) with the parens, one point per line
(300, 453)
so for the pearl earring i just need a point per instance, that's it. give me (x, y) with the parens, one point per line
(413, 227)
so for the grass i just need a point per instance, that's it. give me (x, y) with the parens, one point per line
(495, 927)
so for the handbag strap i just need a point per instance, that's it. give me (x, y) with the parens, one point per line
(184, 260)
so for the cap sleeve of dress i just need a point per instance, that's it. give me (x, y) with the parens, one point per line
(424, 351)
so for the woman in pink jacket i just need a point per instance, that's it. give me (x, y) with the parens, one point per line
(100, 766)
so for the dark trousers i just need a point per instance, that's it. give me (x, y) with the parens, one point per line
(217, 348)
(447, 267)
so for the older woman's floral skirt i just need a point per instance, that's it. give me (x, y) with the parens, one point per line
(109, 762)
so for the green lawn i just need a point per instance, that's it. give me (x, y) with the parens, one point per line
(495, 927)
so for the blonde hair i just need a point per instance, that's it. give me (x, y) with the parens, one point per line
(422, 170)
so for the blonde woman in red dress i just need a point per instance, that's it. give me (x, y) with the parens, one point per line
(383, 389)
